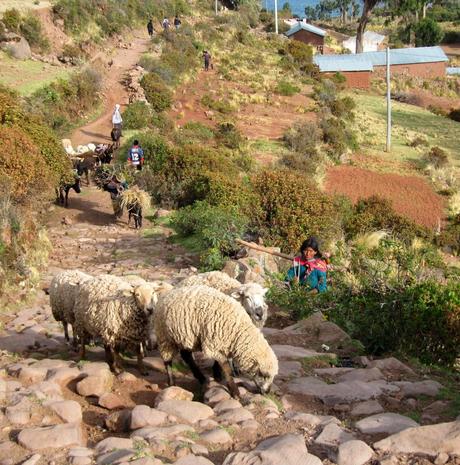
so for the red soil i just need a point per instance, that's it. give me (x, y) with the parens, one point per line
(411, 196)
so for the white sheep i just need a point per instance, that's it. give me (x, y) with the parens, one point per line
(110, 308)
(63, 291)
(200, 318)
(251, 296)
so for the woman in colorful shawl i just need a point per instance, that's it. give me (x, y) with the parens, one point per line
(309, 269)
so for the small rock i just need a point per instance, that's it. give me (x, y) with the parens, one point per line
(67, 410)
(32, 375)
(354, 453)
(58, 436)
(67, 221)
(143, 415)
(215, 395)
(81, 452)
(111, 443)
(146, 461)
(427, 388)
(186, 410)
(81, 461)
(173, 393)
(388, 423)
(126, 377)
(237, 415)
(332, 436)
(110, 401)
(272, 416)
(193, 460)
(390, 364)
(207, 424)
(362, 374)
(32, 460)
(250, 425)
(199, 449)
(368, 407)
(63, 376)
(287, 352)
(228, 404)
(94, 386)
(441, 459)
(162, 432)
(47, 390)
(217, 436)
(20, 413)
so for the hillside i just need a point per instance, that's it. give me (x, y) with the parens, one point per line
(261, 148)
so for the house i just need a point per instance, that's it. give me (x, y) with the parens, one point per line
(371, 42)
(424, 62)
(308, 34)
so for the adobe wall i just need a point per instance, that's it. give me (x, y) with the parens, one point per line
(423, 70)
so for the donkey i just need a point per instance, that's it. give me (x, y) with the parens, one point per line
(64, 189)
(115, 136)
(135, 211)
(104, 153)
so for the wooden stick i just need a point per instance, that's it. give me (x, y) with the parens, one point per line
(264, 249)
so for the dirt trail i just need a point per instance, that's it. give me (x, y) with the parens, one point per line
(123, 60)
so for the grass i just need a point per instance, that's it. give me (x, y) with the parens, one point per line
(320, 361)
(409, 122)
(27, 76)
(23, 4)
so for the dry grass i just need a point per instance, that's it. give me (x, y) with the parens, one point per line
(133, 196)
(23, 4)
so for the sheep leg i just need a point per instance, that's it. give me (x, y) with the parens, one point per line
(189, 360)
(227, 369)
(108, 356)
(117, 363)
(217, 372)
(140, 360)
(66, 331)
(83, 343)
(169, 371)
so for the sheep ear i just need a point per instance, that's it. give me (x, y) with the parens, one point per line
(236, 294)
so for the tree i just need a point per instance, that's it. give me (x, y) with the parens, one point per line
(428, 32)
(367, 10)
(310, 13)
(343, 6)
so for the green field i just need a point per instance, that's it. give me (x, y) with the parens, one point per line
(409, 122)
(26, 76)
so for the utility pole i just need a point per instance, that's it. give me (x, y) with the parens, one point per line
(216, 7)
(388, 102)
(276, 16)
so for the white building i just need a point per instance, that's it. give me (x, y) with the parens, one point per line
(372, 42)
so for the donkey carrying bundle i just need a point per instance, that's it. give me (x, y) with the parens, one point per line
(135, 200)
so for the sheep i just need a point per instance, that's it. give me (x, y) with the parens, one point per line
(110, 308)
(63, 291)
(251, 296)
(200, 318)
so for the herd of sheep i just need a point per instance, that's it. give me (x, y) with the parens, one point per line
(209, 312)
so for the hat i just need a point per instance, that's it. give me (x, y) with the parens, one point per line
(117, 106)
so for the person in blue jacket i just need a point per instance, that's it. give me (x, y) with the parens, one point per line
(309, 268)
(136, 155)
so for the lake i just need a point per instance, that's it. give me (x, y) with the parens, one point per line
(297, 6)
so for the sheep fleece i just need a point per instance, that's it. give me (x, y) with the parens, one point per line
(215, 279)
(63, 292)
(106, 308)
(202, 318)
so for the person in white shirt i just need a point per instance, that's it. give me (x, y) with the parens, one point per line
(117, 120)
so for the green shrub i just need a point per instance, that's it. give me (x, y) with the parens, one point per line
(293, 208)
(437, 157)
(376, 214)
(156, 92)
(455, 114)
(31, 29)
(229, 135)
(427, 33)
(137, 115)
(325, 92)
(301, 54)
(338, 135)
(214, 227)
(12, 19)
(343, 108)
(193, 132)
(303, 137)
(286, 88)
(222, 106)
(156, 149)
(451, 37)
(282, 27)
(450, 236)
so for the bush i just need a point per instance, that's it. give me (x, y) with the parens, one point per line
(338, 135)
(137, 115)
(221, 105)
(343, 108)
(31, 29)
(455, 114)
(451, 37)
(427, 33)
(376, 214)
(302, 137)
(437, 157)
(302, 54)
(193, 132)
(214, 227)
(156, 92)
(286, 88)
(450, 236)
(229, 135)
(292, 209)
(12, 19)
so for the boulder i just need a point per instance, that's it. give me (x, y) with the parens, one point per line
(19, 413)
(111, 401)
(288, 449)
(217, 436)
(162, 432)
(19, 50)
(368, 407)
(63, 376)
(392, 365)
(193, 460)
(68, 410)
(52, 437)
(94, 385)
(32, 375)
(173, 393)
(388, 423)
(354, 453)
(421, 388)
(215, 395)
(362, 374)
(430, 440)
(288, 369)
(111, 443)
(186, 410)
(287, 352)
(143, 415)
(332, 436)
(234, 416)
(228, 404)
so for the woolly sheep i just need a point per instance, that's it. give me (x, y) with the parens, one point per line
(200, 318)
(110, 308)
(63, 291)
(251, 296)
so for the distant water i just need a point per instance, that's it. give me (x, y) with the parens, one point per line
(297, 6)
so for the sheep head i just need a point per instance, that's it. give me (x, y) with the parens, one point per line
(146, 297)
(252, 297)
(262, 369)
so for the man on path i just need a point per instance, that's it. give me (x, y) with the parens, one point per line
(177, 22)
(207, 60)
(136, 155)
(117, 120)
(165, 23)
(150, 29)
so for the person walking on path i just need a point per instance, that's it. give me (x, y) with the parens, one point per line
(150, 29)
(207, 60)
(177, 22)
(117, 120)
(136, 156)
(165, 23)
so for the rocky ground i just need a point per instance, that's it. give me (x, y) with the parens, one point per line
(58, 410)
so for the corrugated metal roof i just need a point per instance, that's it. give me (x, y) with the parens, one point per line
(407, 56)
(334, 63)
(452, 71)
(305, 27)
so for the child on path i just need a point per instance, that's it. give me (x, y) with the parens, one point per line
(207, 60)
(177, 22)
(166, 24)
(150, 29)
(136, 155)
